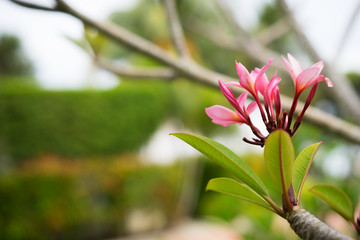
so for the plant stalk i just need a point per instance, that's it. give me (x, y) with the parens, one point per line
(308, 227)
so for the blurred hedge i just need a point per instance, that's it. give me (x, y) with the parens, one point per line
(56, 198)
(34, 122)
(77, 123)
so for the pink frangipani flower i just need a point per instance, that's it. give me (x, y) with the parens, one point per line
(304, 78)
(271, 91)
(252, 82)
(257, 82)
(226, 91)
(224, 116)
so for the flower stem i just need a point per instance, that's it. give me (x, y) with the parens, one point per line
(291, 112)
(261, 110)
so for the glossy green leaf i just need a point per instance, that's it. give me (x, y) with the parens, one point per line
(279, 158)
(226, 159)
(302, 166)
(233, 188)
(336, 198)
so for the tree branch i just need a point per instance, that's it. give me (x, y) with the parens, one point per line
(250, 46)
(213, 34)
(308, 227)
(344, 92)
(177, 33)
(347, 32)
(248, 43)
(202, 75)
(35, 6)
(159, 73)
(273, 32)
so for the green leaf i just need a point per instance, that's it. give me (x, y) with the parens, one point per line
(226, 159)
(301, 167)
(336, 198)
(233, 188)
(279, 158)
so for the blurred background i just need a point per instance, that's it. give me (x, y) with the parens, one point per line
(86, 154)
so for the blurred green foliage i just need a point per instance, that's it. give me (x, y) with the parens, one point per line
(78, 123)
(35, 122)
(269, 15)
(354, 77)
(55, 198)
(12, 59)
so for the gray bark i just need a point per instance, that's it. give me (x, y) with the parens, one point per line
(308, 227)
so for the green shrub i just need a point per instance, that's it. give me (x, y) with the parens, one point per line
(79, 123)
(36, 122)
(55, 198)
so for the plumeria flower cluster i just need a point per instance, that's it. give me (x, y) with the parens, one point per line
(257, 83)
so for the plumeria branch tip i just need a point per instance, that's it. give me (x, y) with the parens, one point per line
(257, 84)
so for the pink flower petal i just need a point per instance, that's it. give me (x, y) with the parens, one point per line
(319, 65)
(290, 69)
(254, 73)
(295, 65)
(241, 70)
(228, 94)
(245, 79)
(235, 84)
(252, 106)
(272, 85)
(328, 82)
(260, 83)
(241, 99)
(261, 80)
(306, 78)
(223, 116)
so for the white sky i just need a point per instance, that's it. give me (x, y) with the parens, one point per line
(58, 62)
(61, 64)
(323, 21)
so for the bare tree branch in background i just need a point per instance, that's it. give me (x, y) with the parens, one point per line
(211, 32)
(177, 33)
(188, 197)
(344, 92)
(158, 73)
(273, 32)
(248, 43)
(197, 73)
(347, 32)
(36, 6)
